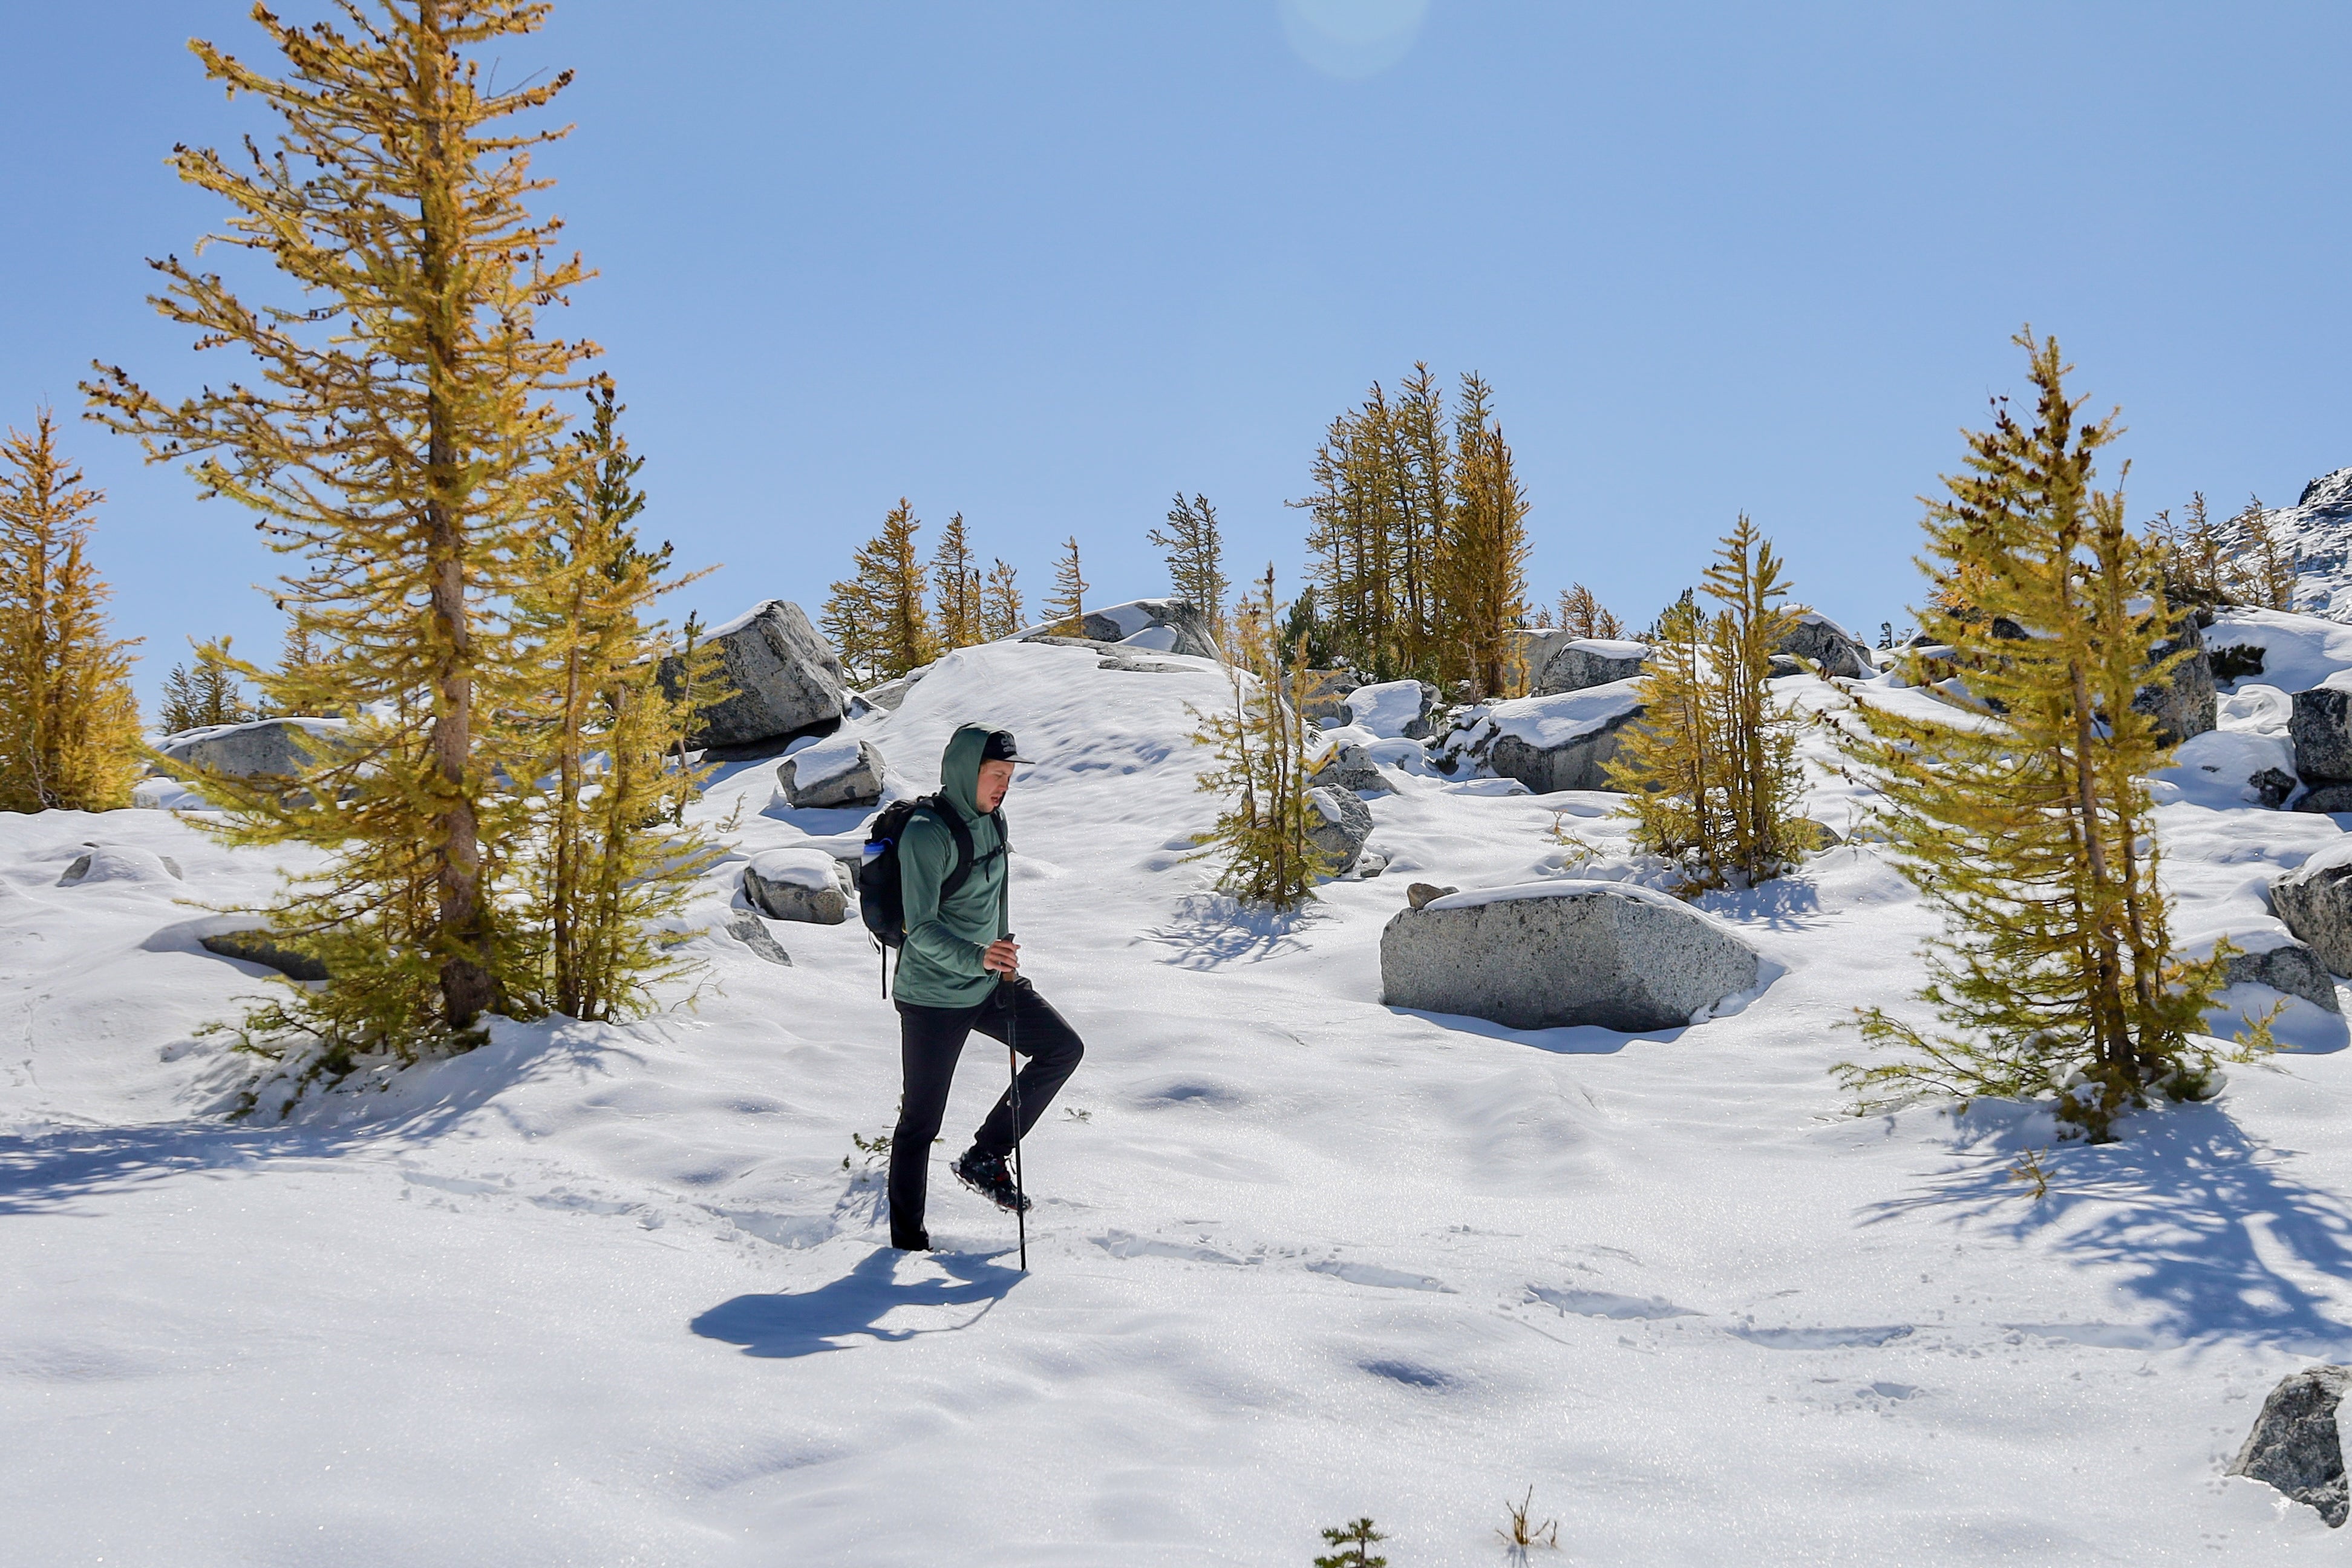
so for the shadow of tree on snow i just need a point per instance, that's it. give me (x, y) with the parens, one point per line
(2204, 1223)
(809, 1323)
(1211, 929)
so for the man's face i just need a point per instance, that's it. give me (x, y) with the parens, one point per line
(995, 778)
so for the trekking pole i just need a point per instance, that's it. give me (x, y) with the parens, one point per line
(1012, 1070)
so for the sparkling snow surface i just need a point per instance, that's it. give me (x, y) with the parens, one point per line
(608, 1295)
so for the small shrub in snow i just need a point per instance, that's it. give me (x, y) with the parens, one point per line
(1355, 1542)
(1518, 1533)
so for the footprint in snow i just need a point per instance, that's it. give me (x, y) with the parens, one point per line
(1373, 1274)
(1824, 1338)
(1609, 1304)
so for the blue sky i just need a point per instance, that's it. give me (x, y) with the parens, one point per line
(1046, 264)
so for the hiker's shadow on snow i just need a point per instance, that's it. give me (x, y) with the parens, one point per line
(1210, 931)
(2205, 1224)
(837, 1314)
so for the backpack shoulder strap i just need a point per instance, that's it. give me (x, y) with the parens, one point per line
(945, 815)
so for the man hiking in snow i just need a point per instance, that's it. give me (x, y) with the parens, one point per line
(959, 971)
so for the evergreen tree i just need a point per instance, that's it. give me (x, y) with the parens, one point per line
(1303, 628)
(1196, 556)
(297, 651)
(408, 451)
(1000, 602)
(2262, 571)
(1710, 774)
(68, 723)
(1581, 615)
(1065, 612)
(2024, 818)
(1482, 570)
(877, 618)
(206, 696)
(602, 873)
(1355, 1542)
(956, 588)
(1264, 752)
(2194, 555)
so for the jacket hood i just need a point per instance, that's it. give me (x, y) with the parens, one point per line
(960, 769)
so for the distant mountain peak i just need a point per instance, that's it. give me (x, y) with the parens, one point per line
(2317, 530)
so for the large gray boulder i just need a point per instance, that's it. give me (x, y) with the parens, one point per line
(1551, 953)
(785, 676)
(1829, 647)
(2290, 968)
(2321, 729)
(2182, 703)
(807, 885)
(2314, 900)
(1328, 705)
(1563, 740)
(2294, 1444)
(1581, 662)
(265, 748)
(1160, 626)
(1344, 823)
(836, 771)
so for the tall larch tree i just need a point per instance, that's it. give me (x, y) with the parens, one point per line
(1481, 569)
(1195, 550)
(1000, 602)
(1263, 756)
(2024, 818)
(401, 442)
(1065, 612)
(603, 872)
(955, 588)
(1582, 614)
(68, 723)
(195, 699)
(878, 616)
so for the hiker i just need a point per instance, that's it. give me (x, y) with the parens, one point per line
(961, 971)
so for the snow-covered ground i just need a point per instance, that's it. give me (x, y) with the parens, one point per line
(611, 1296)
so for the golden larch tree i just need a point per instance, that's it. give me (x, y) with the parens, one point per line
(403, 442)
(955, 588)
(1263, 757)
(1065, 612)
(68, 722)
(1000, 602)
(876, 617)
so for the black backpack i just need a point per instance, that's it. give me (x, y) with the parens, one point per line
(881, 898)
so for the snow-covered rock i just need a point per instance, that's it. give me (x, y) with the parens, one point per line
(1344, 826)
(1579, 662)
(2289, 968)
(752, 933)
(786, 677)
(2322, 731)
(1548, 743)
(256, 947)
(2236, 767)
(1393, 708)
(262, 748)
(798, 884)
(840, 769)
(121, 863)
(1543, 954)
(1328, 705)
(1350, 767)
(1829, 646)
(2294, 1444)
(1159, 626)
(2291, 652)
(2315, 903)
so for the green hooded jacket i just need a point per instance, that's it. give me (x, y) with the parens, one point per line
(940, 967)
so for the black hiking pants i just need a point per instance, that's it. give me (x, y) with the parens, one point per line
(930, 1040)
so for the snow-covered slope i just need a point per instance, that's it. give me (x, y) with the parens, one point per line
(610, 1295)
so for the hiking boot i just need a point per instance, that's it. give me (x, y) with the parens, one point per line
(991, 1178)
(920, 1241)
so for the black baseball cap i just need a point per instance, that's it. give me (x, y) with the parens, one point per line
(1001, 747)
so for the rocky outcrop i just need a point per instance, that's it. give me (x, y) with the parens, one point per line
(807, 885)
(2271, 785)
(1829, 647)
(1159, 626)
(2316, 902)
(1344, 826)
(752, 933)
(265, 748)
(1350, 767)
(1559, 742)
(2321, 729)
(1553, 953)
(1394, 710)
(786, 676)
(2294, 1444)
(2182, 703)
(1421, 895)
(1579, 662)
(2291, 969)
(836, 771)
(121, 863)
